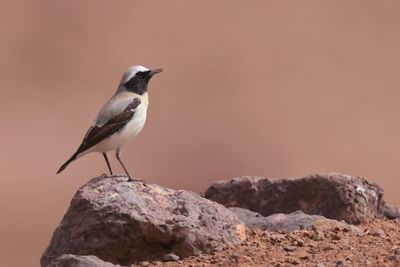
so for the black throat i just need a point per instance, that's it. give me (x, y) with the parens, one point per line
(138, 83)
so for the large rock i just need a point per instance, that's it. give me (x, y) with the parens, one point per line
(69, 260)
(124, 222)
(288, 222)
(335, 196)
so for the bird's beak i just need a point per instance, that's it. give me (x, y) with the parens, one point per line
(155, 71)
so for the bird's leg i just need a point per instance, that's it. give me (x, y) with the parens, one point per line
(108, 163)
(117, 154)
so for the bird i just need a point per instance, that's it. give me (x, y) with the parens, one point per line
(120, 119)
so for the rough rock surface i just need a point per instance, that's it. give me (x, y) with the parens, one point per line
(335, 196)
(297, 220)
(378, 245)
(123, 222)
(69, 260)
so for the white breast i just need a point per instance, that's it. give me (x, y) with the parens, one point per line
(133, 127)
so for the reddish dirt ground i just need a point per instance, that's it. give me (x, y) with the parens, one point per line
(377, 244)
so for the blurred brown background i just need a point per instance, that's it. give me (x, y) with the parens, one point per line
(268, 88)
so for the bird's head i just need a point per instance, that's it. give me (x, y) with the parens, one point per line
(136, 79)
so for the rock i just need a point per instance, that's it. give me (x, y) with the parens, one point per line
(69, 260)
(335, 196)
(391, 212)
(252, 219)
(298, 242)
(297, 220)
(171, 257)
(126, 222)
(318, 235)
(341, 262)
(144, 264)
(289, 248)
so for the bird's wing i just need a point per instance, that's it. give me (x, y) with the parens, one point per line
(97, 133)
(113, 107)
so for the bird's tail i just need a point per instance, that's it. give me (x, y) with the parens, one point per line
(71, 159)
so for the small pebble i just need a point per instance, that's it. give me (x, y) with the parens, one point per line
(299, 242)
(171, 257)
(289, 248)
(391, 212)
(340, 263)
(318, 235)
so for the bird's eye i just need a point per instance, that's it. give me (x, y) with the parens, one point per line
(142, 73)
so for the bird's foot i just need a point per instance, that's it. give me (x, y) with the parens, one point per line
(136, 180)
(104, 175)
(117, 175)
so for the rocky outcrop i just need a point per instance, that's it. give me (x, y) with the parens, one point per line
(112, 222)
(335, 196)
(297, 220)
(124, 222)
(69, 260)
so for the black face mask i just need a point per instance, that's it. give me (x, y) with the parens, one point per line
(138, 83)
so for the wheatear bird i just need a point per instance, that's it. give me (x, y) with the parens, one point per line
(120, 119)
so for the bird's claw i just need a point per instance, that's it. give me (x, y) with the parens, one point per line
(136, 180)
(117, 175)
(104, 175)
